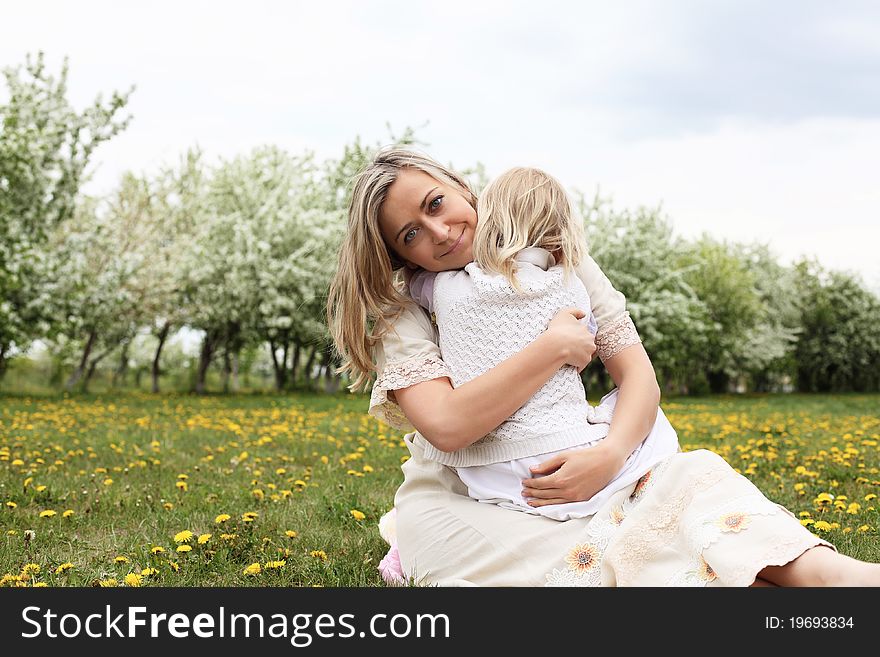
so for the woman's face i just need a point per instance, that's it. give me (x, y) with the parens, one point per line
(427, 223)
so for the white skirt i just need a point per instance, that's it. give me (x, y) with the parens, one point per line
(501, 483)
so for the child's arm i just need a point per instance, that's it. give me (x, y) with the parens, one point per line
(421, 288)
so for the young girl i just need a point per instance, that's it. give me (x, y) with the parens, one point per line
(495, 307)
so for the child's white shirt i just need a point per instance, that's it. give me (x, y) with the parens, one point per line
(483, 321)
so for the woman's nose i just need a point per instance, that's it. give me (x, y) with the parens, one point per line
(439, 231)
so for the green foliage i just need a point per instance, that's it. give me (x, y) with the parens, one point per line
(45, 148)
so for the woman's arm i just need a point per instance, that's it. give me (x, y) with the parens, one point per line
(453, 418)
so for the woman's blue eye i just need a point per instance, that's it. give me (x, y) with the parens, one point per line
(434, 204)
(410, 234)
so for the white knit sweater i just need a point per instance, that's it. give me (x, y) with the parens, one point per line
(483, 321)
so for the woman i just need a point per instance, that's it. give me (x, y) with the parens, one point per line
(691, 520)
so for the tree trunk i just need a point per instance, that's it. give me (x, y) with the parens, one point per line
(92, 366)
(280, 371)
(163, 334)
(227, 369)
(310, 365)
(719, 382)
(331, 379)
(209, 345)
(294, 361)
(81, 368)
(138, 373)
(120, 372)
(235, 387)
(2, 361)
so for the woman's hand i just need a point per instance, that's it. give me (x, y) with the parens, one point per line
(574, 340)
(573, 476)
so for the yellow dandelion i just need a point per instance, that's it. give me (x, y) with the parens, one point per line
(183, 537)
(228, 537)
(299, 482)
(864, 528)
(869, 497)
(582, 558)
(48, 513)
(149, 572)
(30, 569)
(357, 515)
(132, 579)
(275, 565)
(258, 494)
(67, 514)
(182, 477)
(853, 508)
(182, 485)
(325, 460)
(318, 554)
(120, 559)
(290, 533)
(168, 506)
(40, 585)
(11, 505)
(40, 488)
(63, 568)
(253, 569)
(158, 549)
(184, 548)
(204, 538)
(822, 526)
(223, 517)
(367, 468)
(12, 532)
(108, 583)
(174, 566)
(108, 481)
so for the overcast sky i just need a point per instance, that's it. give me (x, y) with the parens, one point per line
(746, 120)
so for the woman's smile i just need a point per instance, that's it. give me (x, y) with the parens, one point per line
(457, 243)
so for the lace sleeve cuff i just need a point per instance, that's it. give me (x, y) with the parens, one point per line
(402, 375)
(616, 336)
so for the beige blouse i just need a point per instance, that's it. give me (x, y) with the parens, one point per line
(410, 354)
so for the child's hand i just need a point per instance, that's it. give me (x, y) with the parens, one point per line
(574, 339)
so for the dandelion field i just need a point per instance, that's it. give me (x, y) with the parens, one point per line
(261, 490)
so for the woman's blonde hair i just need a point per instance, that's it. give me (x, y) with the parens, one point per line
(365, 295)
(523, 208)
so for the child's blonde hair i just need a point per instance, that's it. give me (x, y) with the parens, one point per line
(364, 297)
(522, 208)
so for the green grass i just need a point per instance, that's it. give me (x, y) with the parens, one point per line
(316, 458)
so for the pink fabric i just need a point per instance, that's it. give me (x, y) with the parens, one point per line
(421, 288)
(390, 567)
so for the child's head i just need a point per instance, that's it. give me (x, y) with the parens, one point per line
(524, 208)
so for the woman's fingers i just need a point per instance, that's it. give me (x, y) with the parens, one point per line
(553, 500)
(577, 312)
(550, 465)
